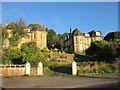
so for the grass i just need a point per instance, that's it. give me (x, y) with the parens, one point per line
(81, 53)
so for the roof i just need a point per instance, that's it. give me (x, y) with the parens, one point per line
(93, 31)
(38, 28)
(11, 25)
(77, 32)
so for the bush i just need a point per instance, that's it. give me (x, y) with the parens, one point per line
(108, 54)
(14, 54)
(6, 60)
(102, 67)
(96, 47)
(30, 47)
(54, 51)
(45, 49)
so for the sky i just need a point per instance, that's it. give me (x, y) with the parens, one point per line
(60, 16)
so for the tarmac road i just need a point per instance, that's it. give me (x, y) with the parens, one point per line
(58, 82)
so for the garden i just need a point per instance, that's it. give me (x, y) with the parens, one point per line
(105, 58)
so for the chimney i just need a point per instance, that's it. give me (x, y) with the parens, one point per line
(44, 27)
(70, 30)
(7, 23)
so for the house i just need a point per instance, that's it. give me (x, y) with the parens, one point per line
(77, 41)
(36, 34)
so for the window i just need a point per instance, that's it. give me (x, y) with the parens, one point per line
(81, 47)
(39, 35)
(80, 39)
(76, 47)
(28, 37)
(86, 47)
(98, 38)
(34, 35)
(76, 39)
(40, 44)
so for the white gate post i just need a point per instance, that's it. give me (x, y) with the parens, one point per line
(74, 68)
(27, 68)
(40, 68)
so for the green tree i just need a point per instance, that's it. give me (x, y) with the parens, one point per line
(18, 32)
(14, 54)
(32, 53)
(4, 35)
(52, 38)
(6, 60)
(96, 47)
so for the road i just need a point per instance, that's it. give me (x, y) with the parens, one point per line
(59, 81)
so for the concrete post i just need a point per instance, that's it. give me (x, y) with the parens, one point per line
(40, 68)
(27, 68)
(74, 68)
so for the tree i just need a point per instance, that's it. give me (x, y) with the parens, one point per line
(4, 34)
(96, 47)
(20, 22)
(15, 55)
(32, 53)
(17, 32)
(52, 38)
(60, 43)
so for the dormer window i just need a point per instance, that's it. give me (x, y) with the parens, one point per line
(97, 33)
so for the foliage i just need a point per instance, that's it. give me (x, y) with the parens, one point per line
(104, 51)
(17, 32)
(32, 53)
(52, 38)
(30, 47)
(6, 60)
(81, 53)
(45, 49)
(91, 67)
(107, 54)
(4, 34)
(14, 54)
(33, 25)
(96, 47)
(20, 22)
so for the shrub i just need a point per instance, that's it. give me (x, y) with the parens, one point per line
(101, 68)
(30, 47)
(54, 51)
(45, 49)
(108, 54)
(96, 47)
(6, 60)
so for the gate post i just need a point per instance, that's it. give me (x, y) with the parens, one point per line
(40, 68)
(74, 68)
(27, 68)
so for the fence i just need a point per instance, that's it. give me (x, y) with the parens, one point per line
(12, 70)
(18, 69)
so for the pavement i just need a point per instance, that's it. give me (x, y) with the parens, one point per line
(60, 81)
